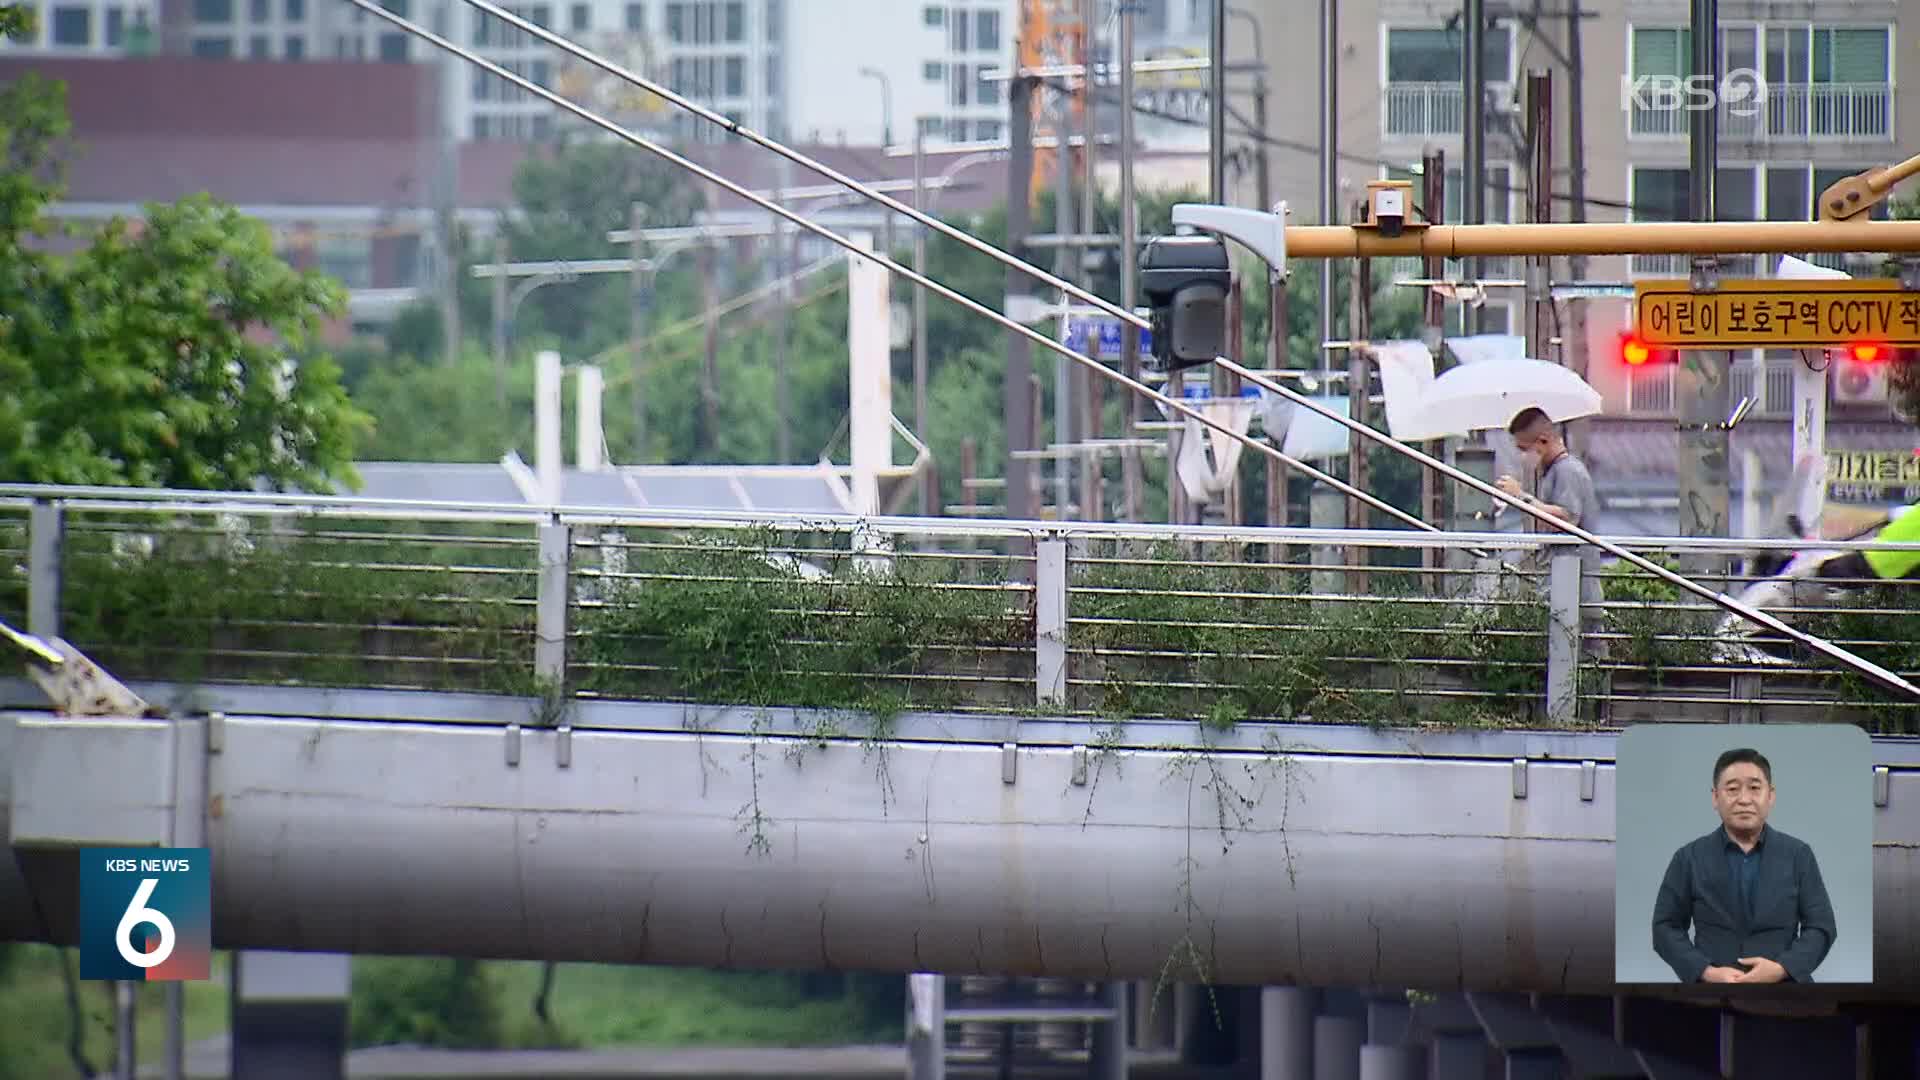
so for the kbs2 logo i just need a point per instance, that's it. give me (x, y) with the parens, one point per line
(146, 914)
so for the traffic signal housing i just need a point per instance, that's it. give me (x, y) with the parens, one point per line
(1187, 280)
(1636, 353)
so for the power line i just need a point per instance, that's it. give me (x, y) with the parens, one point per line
(1247, 131)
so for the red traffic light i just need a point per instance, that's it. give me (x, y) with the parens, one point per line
(1634, 351)
(1865, 353)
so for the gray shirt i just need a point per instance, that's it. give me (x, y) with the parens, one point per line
(1568, 485)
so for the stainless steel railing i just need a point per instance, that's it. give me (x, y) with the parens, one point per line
(1104, 621)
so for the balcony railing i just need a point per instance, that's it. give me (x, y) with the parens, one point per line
(1802, 112)
(1859, 264)
(1420, 109)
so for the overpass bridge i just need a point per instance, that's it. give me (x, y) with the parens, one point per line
(1101, 752)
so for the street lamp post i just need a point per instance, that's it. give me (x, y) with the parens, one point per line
(886, 139)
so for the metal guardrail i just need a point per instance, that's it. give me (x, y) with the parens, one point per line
(1095, 620)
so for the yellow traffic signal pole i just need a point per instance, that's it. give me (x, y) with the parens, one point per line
(1317, 242)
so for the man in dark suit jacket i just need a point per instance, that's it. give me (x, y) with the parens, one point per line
(1752, 894)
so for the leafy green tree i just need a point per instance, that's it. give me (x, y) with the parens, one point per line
(163, 353)
(16, 21)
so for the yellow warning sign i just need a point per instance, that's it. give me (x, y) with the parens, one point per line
(1762, 313)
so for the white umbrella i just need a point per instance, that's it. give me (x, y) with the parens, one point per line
(1490, 393)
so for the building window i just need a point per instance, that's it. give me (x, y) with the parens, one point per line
(702, 24)
(393, 48)
(1423, 92)
(933, 16)
(296, 10)
(986, 31)
(1658, 195)
(541, 16)
(933, 71)
(296, 48)
(1822, 81)
(213, 11)
(636, 18)
(258, 10)
(259, 48)
(580, 17)
(776, 17)
(958, 85)
(482, 127)
(1434, 56)
(957, 31)
(116, 25)
(736, 21)
(930, 126)
(985, 91)
(736, 76)
(72, 26)
(212, 48)
(986, 130)
(773, 76)
(957, 130)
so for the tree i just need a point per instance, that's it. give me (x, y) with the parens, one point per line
(16, 21)
(176, 351)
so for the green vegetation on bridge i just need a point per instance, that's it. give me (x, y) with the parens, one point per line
(1210, 632)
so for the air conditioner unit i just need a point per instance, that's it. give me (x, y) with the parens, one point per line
(1855, 383)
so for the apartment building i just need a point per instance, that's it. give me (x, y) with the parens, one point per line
(1830, 108)
(89, 28)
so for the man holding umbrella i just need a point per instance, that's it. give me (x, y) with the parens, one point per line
(1566, 492)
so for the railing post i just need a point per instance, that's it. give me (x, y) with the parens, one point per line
(1050, 621)
(550, 606)
(46, 536)
(1563, 636)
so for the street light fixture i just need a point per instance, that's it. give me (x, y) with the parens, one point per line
(886, 103)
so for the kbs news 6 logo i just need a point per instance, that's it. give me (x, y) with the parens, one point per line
(146, 914)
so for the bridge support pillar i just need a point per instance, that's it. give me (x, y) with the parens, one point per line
(1533, 1063)
(1336, 1047)
(289, 1015)
(1458, 1055)
(1381, 1062)
(1286, 1032)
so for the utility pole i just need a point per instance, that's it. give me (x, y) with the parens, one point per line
(1277, 502)
(1064, 268)
(1015, 395)
(450, 83)
(1132, 480)
(1574, 352)
(1360, 323)
(1359, 318)
(1473, 141)
(929, 481)
(1539, 209)
(709, 442)
(637, 302)
(1433, 174)
(1329, 161)
(1086, 389)
(500, 320)
(1217, 106)
(1700, 384)
(1262, 180)
(782, 390)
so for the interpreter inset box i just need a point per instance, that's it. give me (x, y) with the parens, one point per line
(1743, 854)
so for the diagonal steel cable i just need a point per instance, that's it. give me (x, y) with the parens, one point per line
(918, 278)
